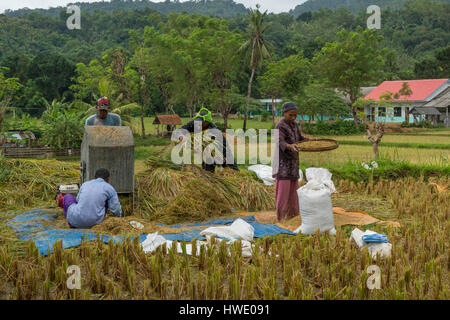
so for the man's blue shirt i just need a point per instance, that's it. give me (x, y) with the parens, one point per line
(112, 119)
(92, 198)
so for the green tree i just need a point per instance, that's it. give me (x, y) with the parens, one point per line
(160, 65)
(141, 62)
(321, 100)
(221, 67)
(61, 128)
(8, 88)
(351, 62)
(87, 80)
(256, 47)
(286, 77)
(189, 69)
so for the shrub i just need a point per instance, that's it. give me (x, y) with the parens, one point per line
(420, 124)
(337, 128)
(221, 126)
(265, 116)
(61, 128)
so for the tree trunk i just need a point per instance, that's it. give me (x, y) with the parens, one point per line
(407, 114)
(142, 121)
(190, 109)
(273, 111)
(248, 97)
(144, 102)
(355, 115)
(166, 103)
(225, 121)
(375, 149)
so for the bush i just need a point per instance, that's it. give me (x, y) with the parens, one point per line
(221, 126)
(337, 128)
(388, 169)
(5, 170)
(265, 116)
(420, 124)
(62, 128)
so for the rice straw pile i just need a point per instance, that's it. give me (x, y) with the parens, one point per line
(26, 183)
(165, 193)
(193, 194)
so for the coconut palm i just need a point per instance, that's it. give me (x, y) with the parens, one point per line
(124, 111)
(256, 47)
(107, 89)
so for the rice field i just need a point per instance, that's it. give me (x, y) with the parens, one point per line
(419, 138)
(347, 153)
(313, 267)
(317, 267)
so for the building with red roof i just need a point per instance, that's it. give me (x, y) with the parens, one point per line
(429, 99)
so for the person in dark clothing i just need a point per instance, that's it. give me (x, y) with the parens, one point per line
(286, 166)
(204, 115)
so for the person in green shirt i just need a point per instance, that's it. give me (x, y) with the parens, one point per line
(205, 118)
(103, 116)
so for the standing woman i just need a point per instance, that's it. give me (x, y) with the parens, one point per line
(286, 163)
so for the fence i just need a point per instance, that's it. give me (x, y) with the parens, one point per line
(44, 152)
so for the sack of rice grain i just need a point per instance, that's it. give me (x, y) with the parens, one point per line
(316, 209)
(321, 174)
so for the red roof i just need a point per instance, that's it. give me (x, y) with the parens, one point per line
(421, 89)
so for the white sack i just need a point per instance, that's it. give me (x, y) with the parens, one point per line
(265, 173)
(315, 208)
(239, 229)
(152, 242)
(321, 174)
(383, 248)
(357, 235)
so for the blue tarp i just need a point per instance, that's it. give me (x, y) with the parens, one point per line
(40, 226)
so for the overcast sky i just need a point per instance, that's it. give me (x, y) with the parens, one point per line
(276, 6)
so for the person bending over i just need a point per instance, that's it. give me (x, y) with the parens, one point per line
(205, 118)
(92, 202)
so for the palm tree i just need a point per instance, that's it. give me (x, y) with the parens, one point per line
(124, 111)
(256, 47)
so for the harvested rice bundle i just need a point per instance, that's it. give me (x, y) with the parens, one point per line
(27, 183)
(159, 162)
(197, 201)
(162, 182)
(196, 195)
(252, 195)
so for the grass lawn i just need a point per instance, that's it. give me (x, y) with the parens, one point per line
(150, 128)
(422, 138)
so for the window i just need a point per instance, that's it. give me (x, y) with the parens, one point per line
(381, 111)
(397, 112)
